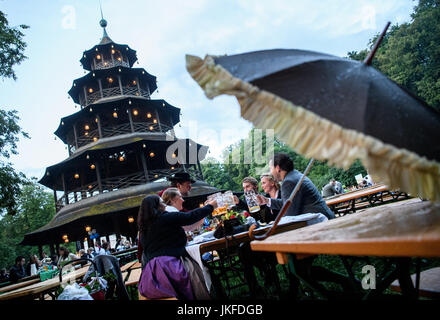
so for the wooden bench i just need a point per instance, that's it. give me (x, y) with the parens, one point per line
(141, 297)
(429, 286)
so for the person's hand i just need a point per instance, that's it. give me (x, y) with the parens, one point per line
(262, 200)
(236, 199)
(212, 203)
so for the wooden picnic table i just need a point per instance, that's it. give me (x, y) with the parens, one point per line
(41, 288)
(401, 230)
(228, 248)
(366, 196)
(19, 285)
(242, 237)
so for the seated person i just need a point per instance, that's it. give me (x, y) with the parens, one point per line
(169, 270)
(330, 189)
(182, 181)
(250, 183)
(272, 189)
(33, 260)
(65, 256)
(174, 203)
(307, 200)
(17, 271)
(265, 262)
(4, 276)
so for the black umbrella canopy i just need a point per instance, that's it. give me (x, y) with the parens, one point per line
(346, 92)
(334, 109)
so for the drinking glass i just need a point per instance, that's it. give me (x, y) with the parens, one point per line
(251, 200)
(228, 198)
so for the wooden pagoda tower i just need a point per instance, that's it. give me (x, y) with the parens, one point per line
(121, 147)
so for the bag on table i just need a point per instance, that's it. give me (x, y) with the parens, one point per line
(74, 292)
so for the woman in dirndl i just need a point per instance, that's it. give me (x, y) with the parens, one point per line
(169, 271)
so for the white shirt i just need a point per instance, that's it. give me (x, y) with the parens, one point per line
(99, 251)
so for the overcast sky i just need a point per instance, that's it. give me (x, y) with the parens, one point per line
(162, 32)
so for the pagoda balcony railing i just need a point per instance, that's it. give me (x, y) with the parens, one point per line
(120, 182)
(124, 128)
(112, 92)
(89, 138)
(110, 64)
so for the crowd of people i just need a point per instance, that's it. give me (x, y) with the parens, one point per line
(168, 270)
(22, 268)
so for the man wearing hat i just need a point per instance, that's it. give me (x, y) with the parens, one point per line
(182, 181)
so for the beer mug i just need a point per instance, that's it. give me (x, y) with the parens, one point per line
(251, 200)
(228, 198)
(33, 269)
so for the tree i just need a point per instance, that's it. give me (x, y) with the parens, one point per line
(410, 53)
(10, 180)
(11, 53)
(35, 209)
(11, 47)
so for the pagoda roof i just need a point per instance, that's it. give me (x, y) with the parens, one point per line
(160, 105)
(72, 218)
(107, 44)
(108, 145)
(100, 73)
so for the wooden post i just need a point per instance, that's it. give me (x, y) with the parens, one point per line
(66, 197)
(83, 190)
(144, 166)
(120, 85)
(138, 86)
(40, 251)
(158, 120)
(85, 95)
(52, 249)
(100, 88)
(130, 118)
(200, 169)
(98, 176)
(76, 136)
(148, 91)
(55, 196)
(116, 227)
(99, 126)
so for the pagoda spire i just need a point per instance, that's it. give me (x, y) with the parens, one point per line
(103, 23)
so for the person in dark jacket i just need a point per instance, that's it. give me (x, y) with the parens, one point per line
(264, 214)
(307, 200)
(166, 273)
(17, 271)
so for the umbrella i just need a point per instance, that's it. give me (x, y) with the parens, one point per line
(334, 109)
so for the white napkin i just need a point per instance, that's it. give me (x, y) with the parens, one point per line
(311, 218)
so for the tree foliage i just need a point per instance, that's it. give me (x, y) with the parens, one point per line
(228, 174)
(11, 47)
(35, 209)
(11, 54)
(410, 53)
(10, 180)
